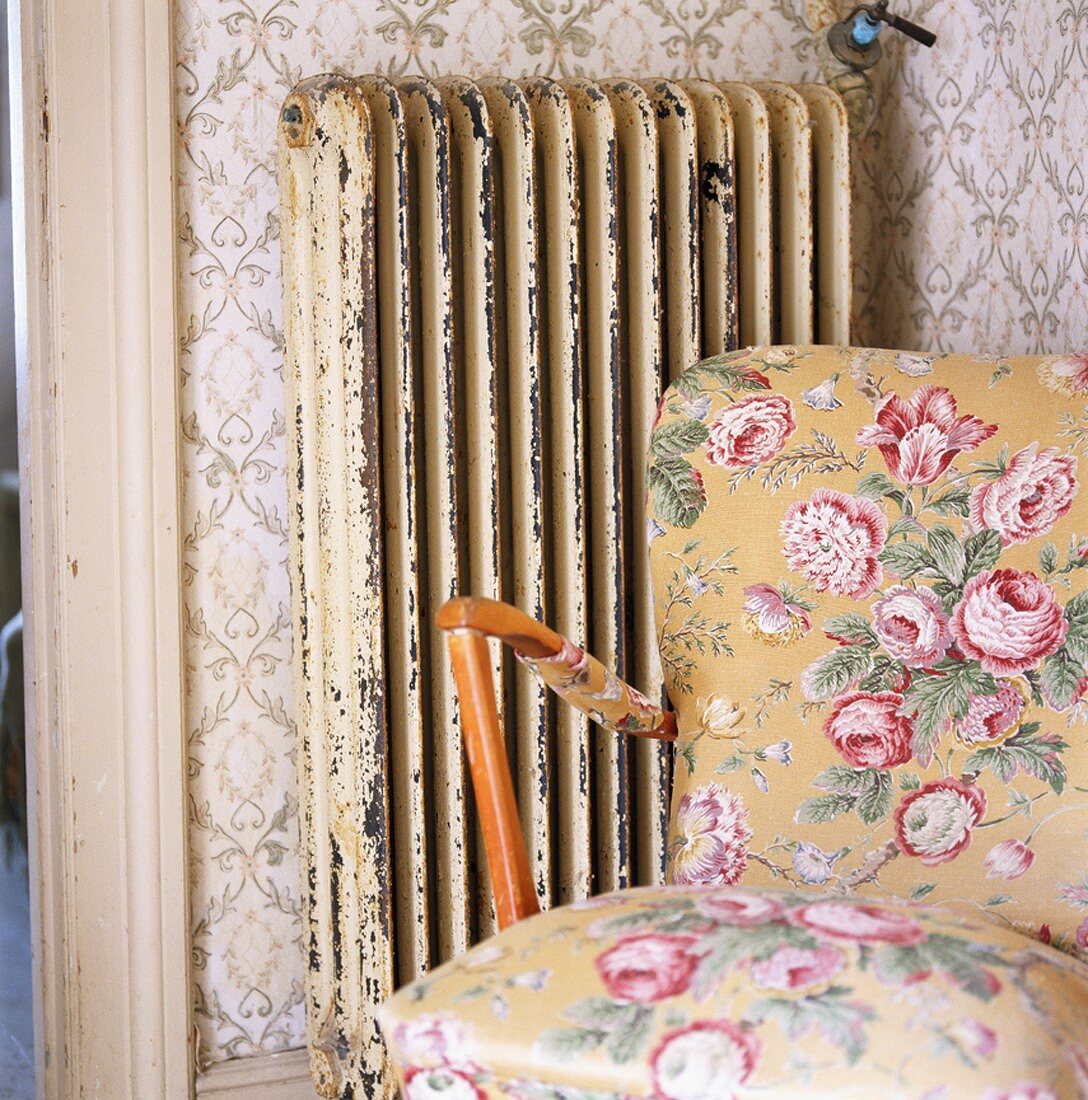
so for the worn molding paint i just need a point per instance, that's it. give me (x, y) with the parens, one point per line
(284, 1075)
(92, 207)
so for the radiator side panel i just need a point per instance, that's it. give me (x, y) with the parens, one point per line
(329, 149)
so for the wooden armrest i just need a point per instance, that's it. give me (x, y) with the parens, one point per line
(502, 621)
(470, 621)
(577, 677)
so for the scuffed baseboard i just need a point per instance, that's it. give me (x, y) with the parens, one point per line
(282, 1076)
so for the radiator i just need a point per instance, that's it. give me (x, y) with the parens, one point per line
(487, 286)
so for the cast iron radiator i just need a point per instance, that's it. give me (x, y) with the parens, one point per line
(487, 286)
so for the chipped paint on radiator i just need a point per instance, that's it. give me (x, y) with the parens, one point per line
(488, 285)
(327, 180)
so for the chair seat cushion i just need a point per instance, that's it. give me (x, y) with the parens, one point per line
(705, 993)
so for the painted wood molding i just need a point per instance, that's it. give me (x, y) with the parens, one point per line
(93, 200)
(284, 1076)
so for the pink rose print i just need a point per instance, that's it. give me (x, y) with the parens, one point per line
(912, 625)
(773, 618)
(1082, 934)
(793, 968)
(834, 539)
(990, 719)
(1067, 374)
(704, 1059)
(867, 728)
(919, 437)
(641, 704)
(571, 658)
(934, 823)
(648, 966)
(752, 431)
(738, 908)
(979, 1039)
(441, 1083)
(1008, 621)
(1035, 491)
(1009, 859)
(712, 834)
(848, 922)
(435, 1041)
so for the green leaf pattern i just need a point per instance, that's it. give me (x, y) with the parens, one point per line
(970, 719)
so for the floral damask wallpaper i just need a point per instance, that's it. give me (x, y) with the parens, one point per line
(971, 216)
(972, 201)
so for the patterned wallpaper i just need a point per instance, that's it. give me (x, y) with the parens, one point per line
(971, 188)
(972, 233)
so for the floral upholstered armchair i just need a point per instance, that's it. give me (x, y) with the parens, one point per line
(878, 874)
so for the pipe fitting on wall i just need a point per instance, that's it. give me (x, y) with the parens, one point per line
(855, 40)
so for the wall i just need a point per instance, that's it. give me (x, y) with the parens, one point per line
(972, 190)
(971, 222)
(8, 427)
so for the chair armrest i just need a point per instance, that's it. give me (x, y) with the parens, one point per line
(575, 675)
(572, 673)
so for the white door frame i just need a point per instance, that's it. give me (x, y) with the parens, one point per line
(93, 199)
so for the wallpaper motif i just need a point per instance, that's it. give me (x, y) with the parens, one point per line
(971, 185)
(977, 232)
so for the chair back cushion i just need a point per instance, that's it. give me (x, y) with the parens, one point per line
(870, 586)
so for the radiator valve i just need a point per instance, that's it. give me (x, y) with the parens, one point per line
(854, 40)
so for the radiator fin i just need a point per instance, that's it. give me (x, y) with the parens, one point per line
(558, 254)
(517, 314)
(831, 216)
(442, 545)
(752, 176)
(791, 159)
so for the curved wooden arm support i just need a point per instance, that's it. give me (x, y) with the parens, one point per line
(470, 621)
(502, 621)
(496, 803)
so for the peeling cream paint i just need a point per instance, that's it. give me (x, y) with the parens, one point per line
(462, 417)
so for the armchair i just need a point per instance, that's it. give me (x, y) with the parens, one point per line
(869, 571)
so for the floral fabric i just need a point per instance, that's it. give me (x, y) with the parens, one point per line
(872, 605)
(702, 993)
(582, 681)
(879, 686)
